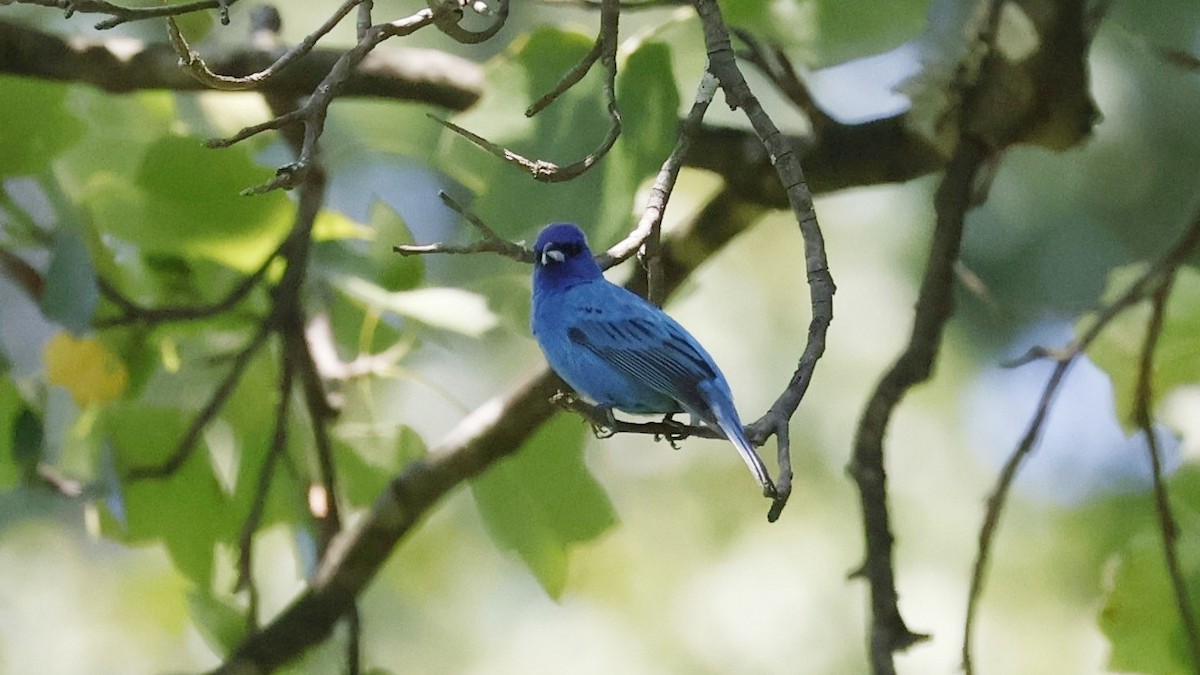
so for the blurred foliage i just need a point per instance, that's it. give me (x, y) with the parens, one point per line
(1177, 357)
(121, 188)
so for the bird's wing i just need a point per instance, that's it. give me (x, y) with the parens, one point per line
(650, 347)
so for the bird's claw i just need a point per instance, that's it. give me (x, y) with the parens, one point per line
(671, 438)
(602, 432)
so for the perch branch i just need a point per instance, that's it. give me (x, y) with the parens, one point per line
(784, 157)
(491, 432)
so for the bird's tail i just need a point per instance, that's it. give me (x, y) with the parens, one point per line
(725, 417)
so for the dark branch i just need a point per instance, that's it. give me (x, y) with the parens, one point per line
(784, 157)
(491, 432)
(119, 14)
(605, 51)
(398, 73)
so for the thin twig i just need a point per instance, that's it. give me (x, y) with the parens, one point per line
(262, 490)
(131, 312)
(1142, 288)
(315, 110)
(451, 27)
(198, 69)
(1168, 529)
(774, 63)
(120, 15)
(570, 79)
(491, 242)
(206, 415)
(605, 50)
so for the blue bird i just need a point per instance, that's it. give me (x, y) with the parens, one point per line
(622, 352)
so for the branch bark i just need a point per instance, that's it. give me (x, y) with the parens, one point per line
(491, 432)
(398, 73)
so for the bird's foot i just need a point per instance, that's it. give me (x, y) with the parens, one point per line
(608, 428)
(672, 437)
(602, 432)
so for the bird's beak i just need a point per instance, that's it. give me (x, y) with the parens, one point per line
(552, 254)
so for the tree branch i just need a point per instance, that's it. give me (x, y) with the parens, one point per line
(784, 157)
(1168, 529)
(1144, 287)
(119, 14)
(398, 73)
(604, 51)
(493, 431)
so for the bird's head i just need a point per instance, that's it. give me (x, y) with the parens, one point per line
(561, 255)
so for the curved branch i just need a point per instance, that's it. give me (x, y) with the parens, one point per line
(195, 65)
(783, 155)
(493, 431)
(451, 27)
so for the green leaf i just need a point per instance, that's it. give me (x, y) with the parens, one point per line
(366, 465)
(185, 200)
(849, 30)
(28, 440)
(830, 31)
(188, 511)
(37, 125)
(71, 293)
(451, 309)
(1118, 349)
(396, 272)
(1140, 616)
(564, 133)
(11, 406)
(222, 625)
(543, 500)
(649, 104)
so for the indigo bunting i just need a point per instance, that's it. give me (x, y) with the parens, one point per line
(622, 352)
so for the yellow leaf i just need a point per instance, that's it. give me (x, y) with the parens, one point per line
(85, 367)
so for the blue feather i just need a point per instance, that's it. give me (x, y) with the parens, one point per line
(622, 352)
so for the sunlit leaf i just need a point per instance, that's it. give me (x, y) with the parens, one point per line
(85, 367)
(37, 125)
(451, 309)
(1118, 349)
(333, 225)
(222, 625)
(543, 500)
(1140, 615)
(188, 511)
(397, 272)
(564, 133)
(185, 200)
(366, 465)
